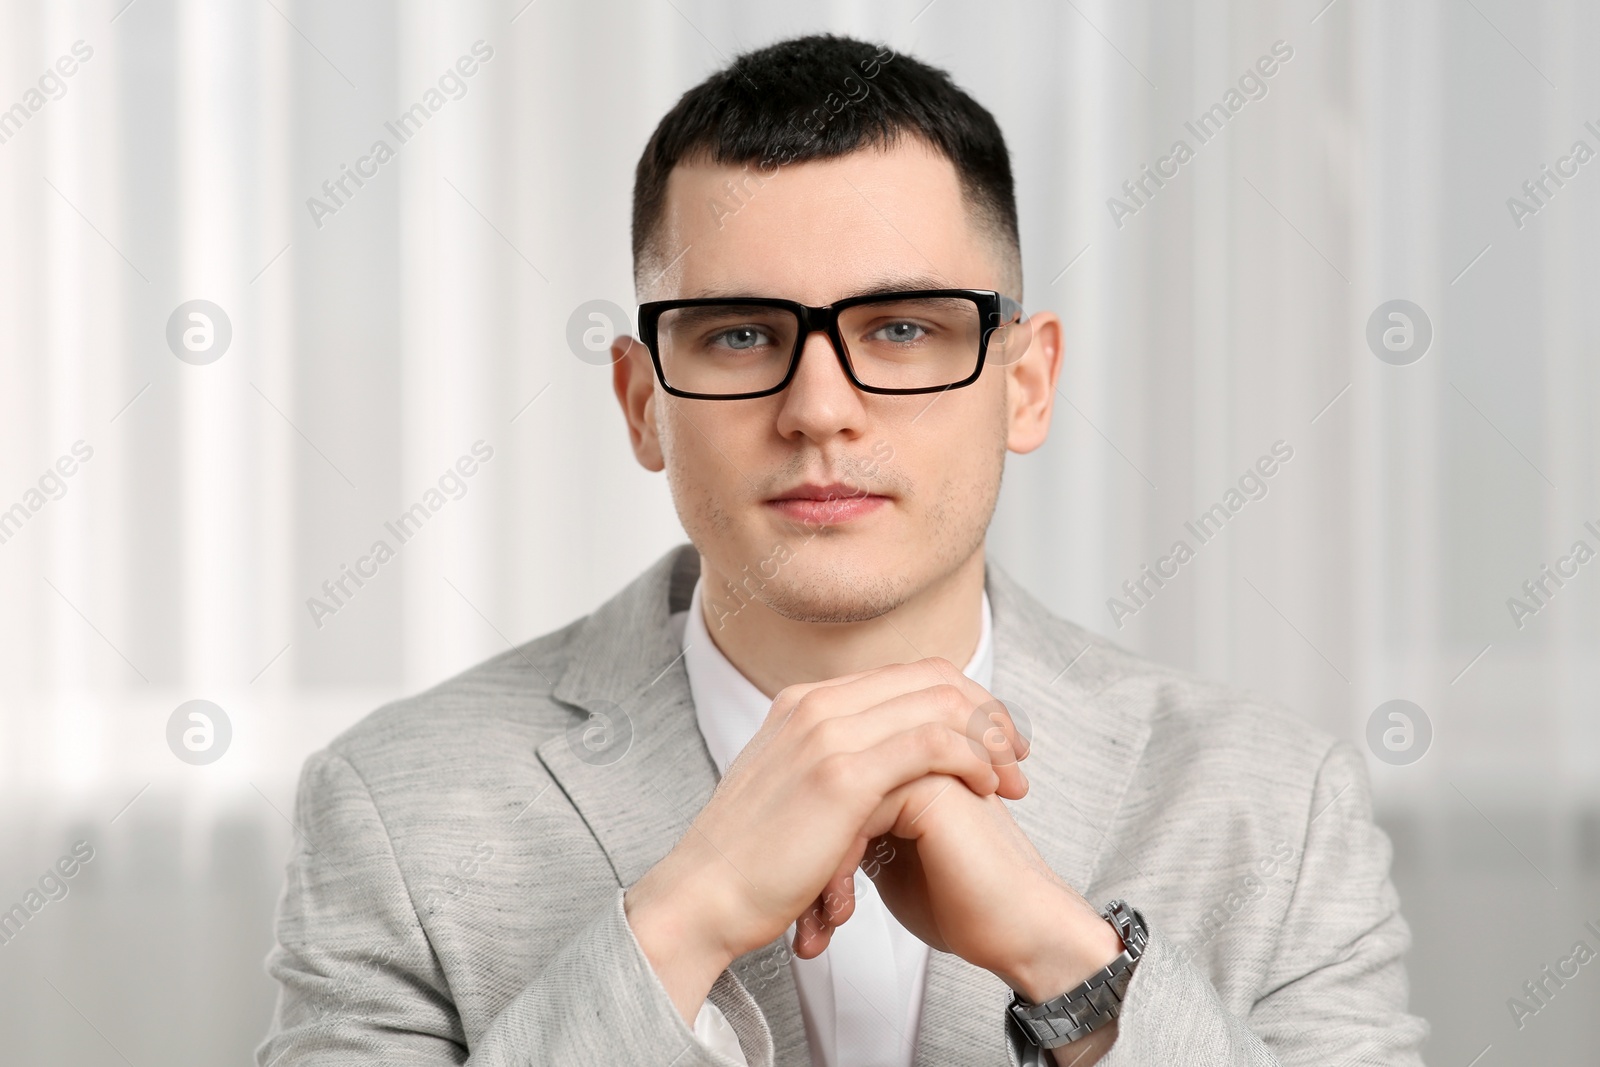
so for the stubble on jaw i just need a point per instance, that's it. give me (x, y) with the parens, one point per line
(956, 520)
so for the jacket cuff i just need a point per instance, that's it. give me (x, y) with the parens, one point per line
(728, 994)
(1172, 1013)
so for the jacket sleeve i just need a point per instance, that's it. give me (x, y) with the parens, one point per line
(1334, 990)
(359, 982)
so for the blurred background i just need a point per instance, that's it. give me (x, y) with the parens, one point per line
(218, 380)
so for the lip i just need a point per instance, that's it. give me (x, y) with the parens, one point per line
(834, 504)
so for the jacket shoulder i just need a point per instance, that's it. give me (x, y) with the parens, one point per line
(1196, 716)
(1186, 715)
(500, 708)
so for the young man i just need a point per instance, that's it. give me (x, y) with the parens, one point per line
(751, 811)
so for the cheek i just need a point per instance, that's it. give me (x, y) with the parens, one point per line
(695, 447)
(954, 466)
(982, 462)
(678, 457)
(969, 482)
(699, 477)
(964, 451)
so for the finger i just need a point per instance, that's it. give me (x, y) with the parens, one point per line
(811, 937)
(873, 773)
(940, 704)
(852, 692)
(988, 722)
(789, 696)
(838, 897)
(986, 715)
(994, 727)
(814, 927)
(903, 807)
(833, 906)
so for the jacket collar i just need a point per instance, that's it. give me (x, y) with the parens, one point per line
(639, 793)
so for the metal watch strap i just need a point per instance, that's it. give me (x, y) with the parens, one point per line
(1087, 1007)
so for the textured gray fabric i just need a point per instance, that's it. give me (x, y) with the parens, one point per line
(455, 894)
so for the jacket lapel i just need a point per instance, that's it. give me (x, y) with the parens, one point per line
(644, 772)
(1086, 744)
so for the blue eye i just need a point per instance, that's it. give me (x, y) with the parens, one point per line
(900, 332)
(741, 338)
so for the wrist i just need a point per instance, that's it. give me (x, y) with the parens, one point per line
(674, 917)
(1083, 1017)
(1074, 944)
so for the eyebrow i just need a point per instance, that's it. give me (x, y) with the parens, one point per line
(897, 283)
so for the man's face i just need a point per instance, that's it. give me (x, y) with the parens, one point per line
(841, 504)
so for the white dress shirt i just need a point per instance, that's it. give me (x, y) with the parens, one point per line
(861, 999)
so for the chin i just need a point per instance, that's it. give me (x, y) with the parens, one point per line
(803, 585)
(836, 598)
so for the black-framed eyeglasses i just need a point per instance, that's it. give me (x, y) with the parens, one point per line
(740, 348)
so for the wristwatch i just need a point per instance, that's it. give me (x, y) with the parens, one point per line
(1096, 1001)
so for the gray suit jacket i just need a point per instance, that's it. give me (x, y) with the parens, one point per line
(455, 893)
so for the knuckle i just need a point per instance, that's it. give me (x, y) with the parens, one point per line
(788, 696)
(833, 774)
(797, 708)
(827, 735)
(812, 706)
(933, 739)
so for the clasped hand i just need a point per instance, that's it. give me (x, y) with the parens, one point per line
(910, 761)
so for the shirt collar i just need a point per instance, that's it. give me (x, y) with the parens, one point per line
(728, 706)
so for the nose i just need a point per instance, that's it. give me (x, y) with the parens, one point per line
(820, 402)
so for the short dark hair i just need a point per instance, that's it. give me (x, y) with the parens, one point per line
(821, 97)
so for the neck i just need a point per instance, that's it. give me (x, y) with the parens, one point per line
(943, 619)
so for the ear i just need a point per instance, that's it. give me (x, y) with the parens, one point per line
(1031, 379)
(633, 379)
